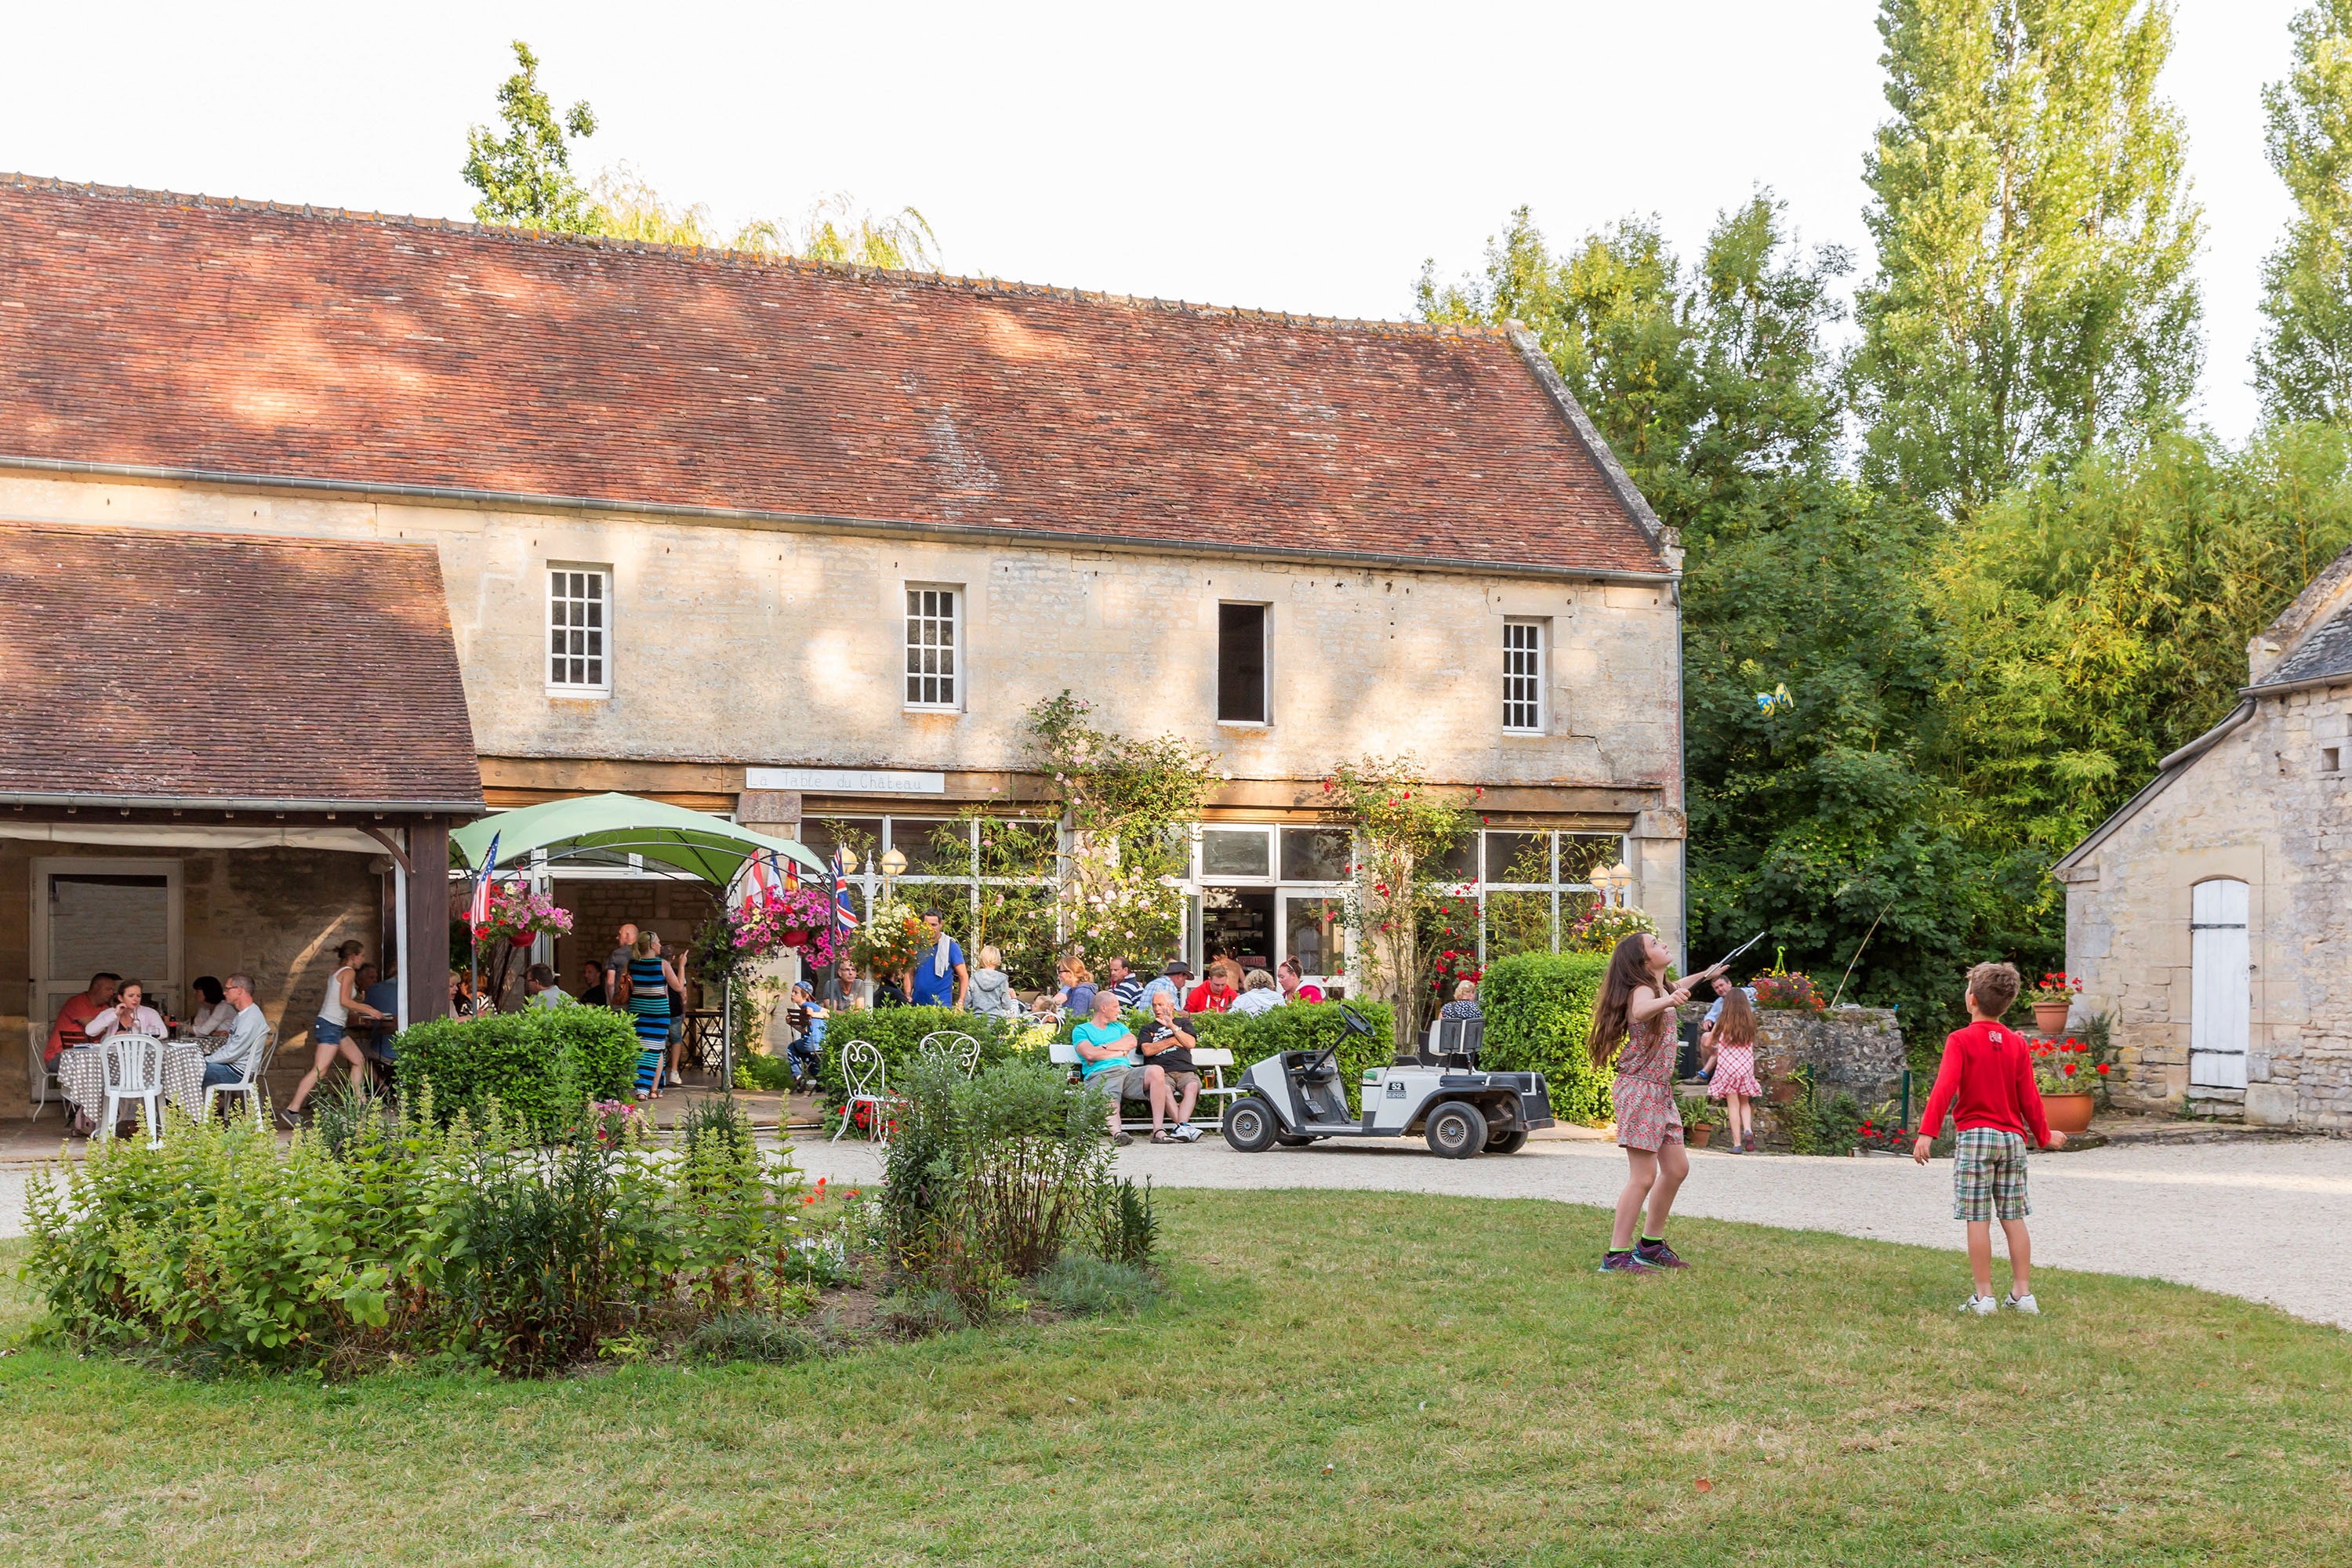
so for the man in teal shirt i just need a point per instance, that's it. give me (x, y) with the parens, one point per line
(1103, 1043)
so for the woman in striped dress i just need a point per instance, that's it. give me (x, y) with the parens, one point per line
(650, 979)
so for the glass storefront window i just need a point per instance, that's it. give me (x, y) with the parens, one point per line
(1236, 852)
(933, 847)
(1314, 855)
(1518, 858)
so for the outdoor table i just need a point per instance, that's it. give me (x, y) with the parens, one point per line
(82, 1072)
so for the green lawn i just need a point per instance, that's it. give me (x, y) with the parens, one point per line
(1367, 1378)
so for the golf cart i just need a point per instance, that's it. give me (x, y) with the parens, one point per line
(1436, 1090)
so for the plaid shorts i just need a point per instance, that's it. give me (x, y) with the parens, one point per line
(1988, 1175)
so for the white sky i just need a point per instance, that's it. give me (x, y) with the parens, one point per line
(1297, 157)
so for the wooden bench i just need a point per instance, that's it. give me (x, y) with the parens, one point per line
(1209, 1061)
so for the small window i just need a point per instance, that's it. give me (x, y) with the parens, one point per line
(932, 647)
(2330, 758)
(579, 621)
(1523, 661)
(1241, 664)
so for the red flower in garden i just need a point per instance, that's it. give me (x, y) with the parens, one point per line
(2103, 1070)
(2068, 1069)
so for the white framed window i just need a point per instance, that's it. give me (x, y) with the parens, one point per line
(579, 630)
(934, 647)
(1523, 678)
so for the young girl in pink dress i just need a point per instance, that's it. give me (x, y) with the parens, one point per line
(1635, 1008)
(1734, 1080)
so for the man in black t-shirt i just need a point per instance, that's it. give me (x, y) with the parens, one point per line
(1168, 1075)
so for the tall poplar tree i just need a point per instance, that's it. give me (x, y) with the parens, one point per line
(2303, 364)
(525, 176)
(2036, 236)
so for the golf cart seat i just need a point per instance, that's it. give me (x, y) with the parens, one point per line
(1450, 1042)
(1312, 1066)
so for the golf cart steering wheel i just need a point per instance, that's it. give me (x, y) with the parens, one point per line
(1352, 1021)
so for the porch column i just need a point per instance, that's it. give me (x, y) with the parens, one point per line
(425, 944)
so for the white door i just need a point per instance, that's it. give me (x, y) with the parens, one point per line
(102, 913)
(2219, 999)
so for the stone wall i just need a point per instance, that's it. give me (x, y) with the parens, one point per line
(770, 646)
(2262, 807)
(1856, 1050)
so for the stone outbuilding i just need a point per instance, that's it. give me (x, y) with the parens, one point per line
(2211, 917)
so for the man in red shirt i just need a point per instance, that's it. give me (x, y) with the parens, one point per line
(1987, 1082)
(68, 1031)
(1217, 993)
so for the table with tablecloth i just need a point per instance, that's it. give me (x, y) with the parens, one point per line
(82, 1071)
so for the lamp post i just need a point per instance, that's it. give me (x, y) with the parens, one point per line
(1618, 880)
(894, 866)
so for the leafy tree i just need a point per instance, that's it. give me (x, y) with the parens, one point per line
(2036, 236)
(2096, 620)
(623, 205)
(1820, 810)
(2303, 364)
(525, 176)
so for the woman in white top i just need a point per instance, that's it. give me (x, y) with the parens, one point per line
(335, 1011)
(129, 1016)
(215, 1016)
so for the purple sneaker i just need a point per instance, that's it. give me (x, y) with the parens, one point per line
(1623, 1263)
(1657, 1254)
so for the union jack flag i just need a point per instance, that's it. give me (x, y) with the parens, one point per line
(844, 911)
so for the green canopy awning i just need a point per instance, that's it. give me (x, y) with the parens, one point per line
(610, 825)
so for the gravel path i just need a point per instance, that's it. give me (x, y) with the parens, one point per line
(2270, 1222)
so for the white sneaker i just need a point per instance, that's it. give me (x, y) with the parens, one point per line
(1191, 1134)
(2025, 1303)
(1982, 1306)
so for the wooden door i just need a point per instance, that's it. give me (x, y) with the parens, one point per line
(2219, 998)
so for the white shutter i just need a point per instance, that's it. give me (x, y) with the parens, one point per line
(2219, 1000)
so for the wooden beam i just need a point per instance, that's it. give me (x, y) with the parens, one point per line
(424, 946)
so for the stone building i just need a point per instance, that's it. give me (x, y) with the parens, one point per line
(803, 544)
(2211, 915)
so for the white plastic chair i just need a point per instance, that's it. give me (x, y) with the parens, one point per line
(251, 1086)
(862, 1069)
(41, 1077)
(134, 1070)
(950, 1045)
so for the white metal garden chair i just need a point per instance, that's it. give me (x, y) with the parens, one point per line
(41, 1079)
(950, 1045)
(862, 1069)
(251, 1087)
(134, 1070)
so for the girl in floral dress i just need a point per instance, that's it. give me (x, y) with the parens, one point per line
(1635, 1008)
(1734, 1080)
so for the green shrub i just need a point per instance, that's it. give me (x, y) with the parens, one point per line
(418, 1239)
(1539, 1009)
(538, 1064)
(752, 1336)
(765, 1072)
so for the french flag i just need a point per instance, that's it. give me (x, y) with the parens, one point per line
(478, 914)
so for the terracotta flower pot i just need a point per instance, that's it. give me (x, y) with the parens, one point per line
(1698, 1134)
(2069, 1113)
(2050, 1017)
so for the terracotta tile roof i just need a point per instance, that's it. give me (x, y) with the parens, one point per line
(168, 331)
(209, 667)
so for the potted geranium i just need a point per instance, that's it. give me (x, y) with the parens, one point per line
(1701, 1117)
(2068, 1080)
(2051, 1001)
(519, 914)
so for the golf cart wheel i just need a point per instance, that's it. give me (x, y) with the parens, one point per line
(1509, 1143)
(1293, 1140)
(1457, 1130)
(1250, 1124)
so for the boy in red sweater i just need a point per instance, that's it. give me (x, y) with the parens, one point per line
(1987, 1081)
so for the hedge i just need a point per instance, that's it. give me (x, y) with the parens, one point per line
(539, 1063)
(1539, 1009)
(1295, 1026)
